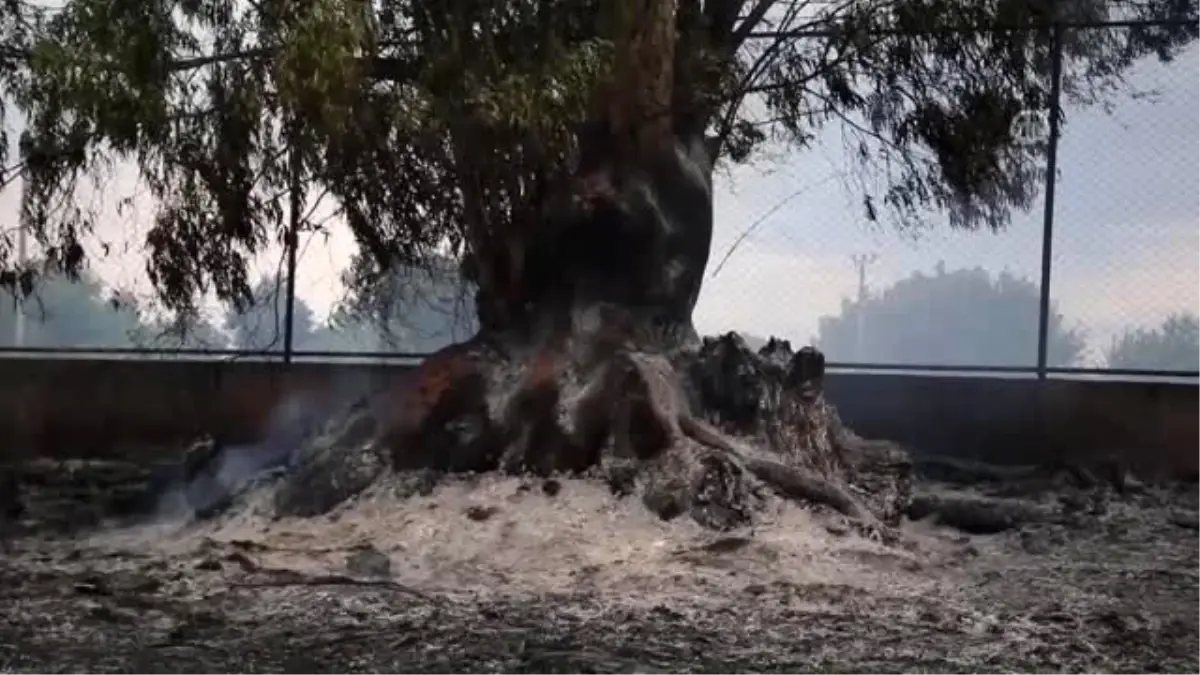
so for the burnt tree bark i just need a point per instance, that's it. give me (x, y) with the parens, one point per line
(588, 360)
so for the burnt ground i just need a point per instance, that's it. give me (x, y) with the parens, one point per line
(497, 574)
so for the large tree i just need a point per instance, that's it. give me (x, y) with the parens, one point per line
(1174, 345)
(962, 317)
(563, 151)
(67, 313)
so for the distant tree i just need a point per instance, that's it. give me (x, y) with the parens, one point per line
(1173, 345)
(965, 317)
(405, 308)
(63, 312)
(260, 326)
(344, 333)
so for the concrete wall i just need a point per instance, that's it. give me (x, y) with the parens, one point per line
(118, 407)
(75, 407)
(1152, 426)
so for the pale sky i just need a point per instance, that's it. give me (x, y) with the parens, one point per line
(1127, 220)
(1126, 246)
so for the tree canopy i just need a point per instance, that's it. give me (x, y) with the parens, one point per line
(65, 313)
(82, 313)
(963, 317)
(441, 127)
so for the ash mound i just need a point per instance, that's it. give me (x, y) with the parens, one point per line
(489, 534)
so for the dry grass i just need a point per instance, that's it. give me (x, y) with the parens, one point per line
(580, 582)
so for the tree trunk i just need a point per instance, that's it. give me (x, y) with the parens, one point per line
(599, 372)
(588, 362)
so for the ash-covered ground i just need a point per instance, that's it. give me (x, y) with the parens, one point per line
(510, 575)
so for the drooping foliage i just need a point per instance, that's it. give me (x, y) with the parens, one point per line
(441, 127)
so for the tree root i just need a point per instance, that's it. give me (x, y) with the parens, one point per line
(1017, 480)
(976, 515)
(624, 408)
(653, 394)
(805, 486)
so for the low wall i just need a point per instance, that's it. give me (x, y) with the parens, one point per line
(117, 407)
(1152, 427)
(130, 408)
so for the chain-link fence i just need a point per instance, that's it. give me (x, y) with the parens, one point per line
(1098, 272)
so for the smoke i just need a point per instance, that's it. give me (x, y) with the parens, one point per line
(212, 476)
(225, 473)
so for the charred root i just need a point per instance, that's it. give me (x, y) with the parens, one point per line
(980, 498)
(976, 515)
(712, 433)
(1030, 479)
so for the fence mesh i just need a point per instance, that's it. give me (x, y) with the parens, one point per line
(794, 255)
(1125, 219)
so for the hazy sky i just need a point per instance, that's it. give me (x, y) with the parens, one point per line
(1127, 220)
(1126, 245)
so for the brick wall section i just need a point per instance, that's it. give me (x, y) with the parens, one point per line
(132, 408)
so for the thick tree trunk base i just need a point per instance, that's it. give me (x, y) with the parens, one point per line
(714, 433)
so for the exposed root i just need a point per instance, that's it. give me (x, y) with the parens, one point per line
(976, 515)
(1030, 479)
(651, 416)
(1010, 497)
(626, 411)
(805, 486)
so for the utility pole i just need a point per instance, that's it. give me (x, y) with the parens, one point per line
(1056, 76)
(861, 262)
(295, 204)
(22, 261)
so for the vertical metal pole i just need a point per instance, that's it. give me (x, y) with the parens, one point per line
(1056, 64)
(22, 260)
(292, 240)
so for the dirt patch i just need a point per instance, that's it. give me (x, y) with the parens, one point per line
(572, 579)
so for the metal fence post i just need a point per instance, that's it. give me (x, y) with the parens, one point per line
(1056, 65)
(292, 241)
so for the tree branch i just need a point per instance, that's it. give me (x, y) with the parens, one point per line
(752, 20)
(721, 17)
